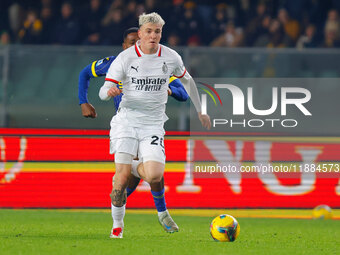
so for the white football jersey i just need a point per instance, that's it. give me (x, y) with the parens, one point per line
(145, 79)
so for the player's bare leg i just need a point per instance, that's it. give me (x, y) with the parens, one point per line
(132, 185)
(133, 180)
(118, 198)
(134, 177)
(151, 171)
(157, 186)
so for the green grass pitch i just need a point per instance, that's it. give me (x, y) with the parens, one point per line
(74, 232)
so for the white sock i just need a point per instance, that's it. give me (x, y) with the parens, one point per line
(112, 212)
(118, 214)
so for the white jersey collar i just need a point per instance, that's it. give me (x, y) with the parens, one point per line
(140, 53)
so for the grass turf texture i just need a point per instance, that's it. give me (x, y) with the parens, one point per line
(74, 232)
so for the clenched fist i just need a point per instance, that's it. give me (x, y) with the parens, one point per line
(113, 91)
(88, 110)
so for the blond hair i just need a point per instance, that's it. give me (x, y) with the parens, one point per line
(153, 17)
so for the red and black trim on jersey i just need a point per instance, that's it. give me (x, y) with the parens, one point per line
(139, 55)
(112, 80)
(160, 51)
(137, 51)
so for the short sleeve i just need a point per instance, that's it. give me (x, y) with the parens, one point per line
(100, 67)
(180, 70)
(116, 70)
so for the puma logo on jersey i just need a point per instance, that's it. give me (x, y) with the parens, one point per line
(135, 68)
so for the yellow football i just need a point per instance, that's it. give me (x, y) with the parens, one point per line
(224, 228)
(322, 212)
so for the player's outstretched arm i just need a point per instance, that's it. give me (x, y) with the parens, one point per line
(87, 109)
(177, 90)
(95, 69)
(190, 86)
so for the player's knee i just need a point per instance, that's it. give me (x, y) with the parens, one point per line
(154, 177)
(153, 171)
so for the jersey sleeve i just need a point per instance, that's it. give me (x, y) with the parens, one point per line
(100, 67)
(95, 69)
(180, 70)
(116, 71)
(177, 89)
(83, 84)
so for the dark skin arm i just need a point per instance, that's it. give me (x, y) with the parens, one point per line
(88, 110)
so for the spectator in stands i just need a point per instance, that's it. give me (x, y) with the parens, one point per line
(173, 40)
(47, 3)
(219, 21)
(5, 39)
(116, 4)
(16, 19)
(296, 8)
(31, 30)
(198, 19)
(194, 41)
(254, 28)
(130, 17)
(278, 38)
(332, 26)
(150, 6)
(232, 37)
(48, 22)
(263, 36)
(91, 22)
(140, 9)
(113, 25)
(331, 30)
(290, 26)
(67, 28)
(331, 39)
(190, 23)
(308, 39)
(177, 10)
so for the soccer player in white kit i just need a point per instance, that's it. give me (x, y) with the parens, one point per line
(137, 128)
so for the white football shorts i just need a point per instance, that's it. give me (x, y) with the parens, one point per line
(146, 143)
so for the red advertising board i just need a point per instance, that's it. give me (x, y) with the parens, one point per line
(42, 168)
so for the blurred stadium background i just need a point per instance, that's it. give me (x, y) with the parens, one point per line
(47, 149)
